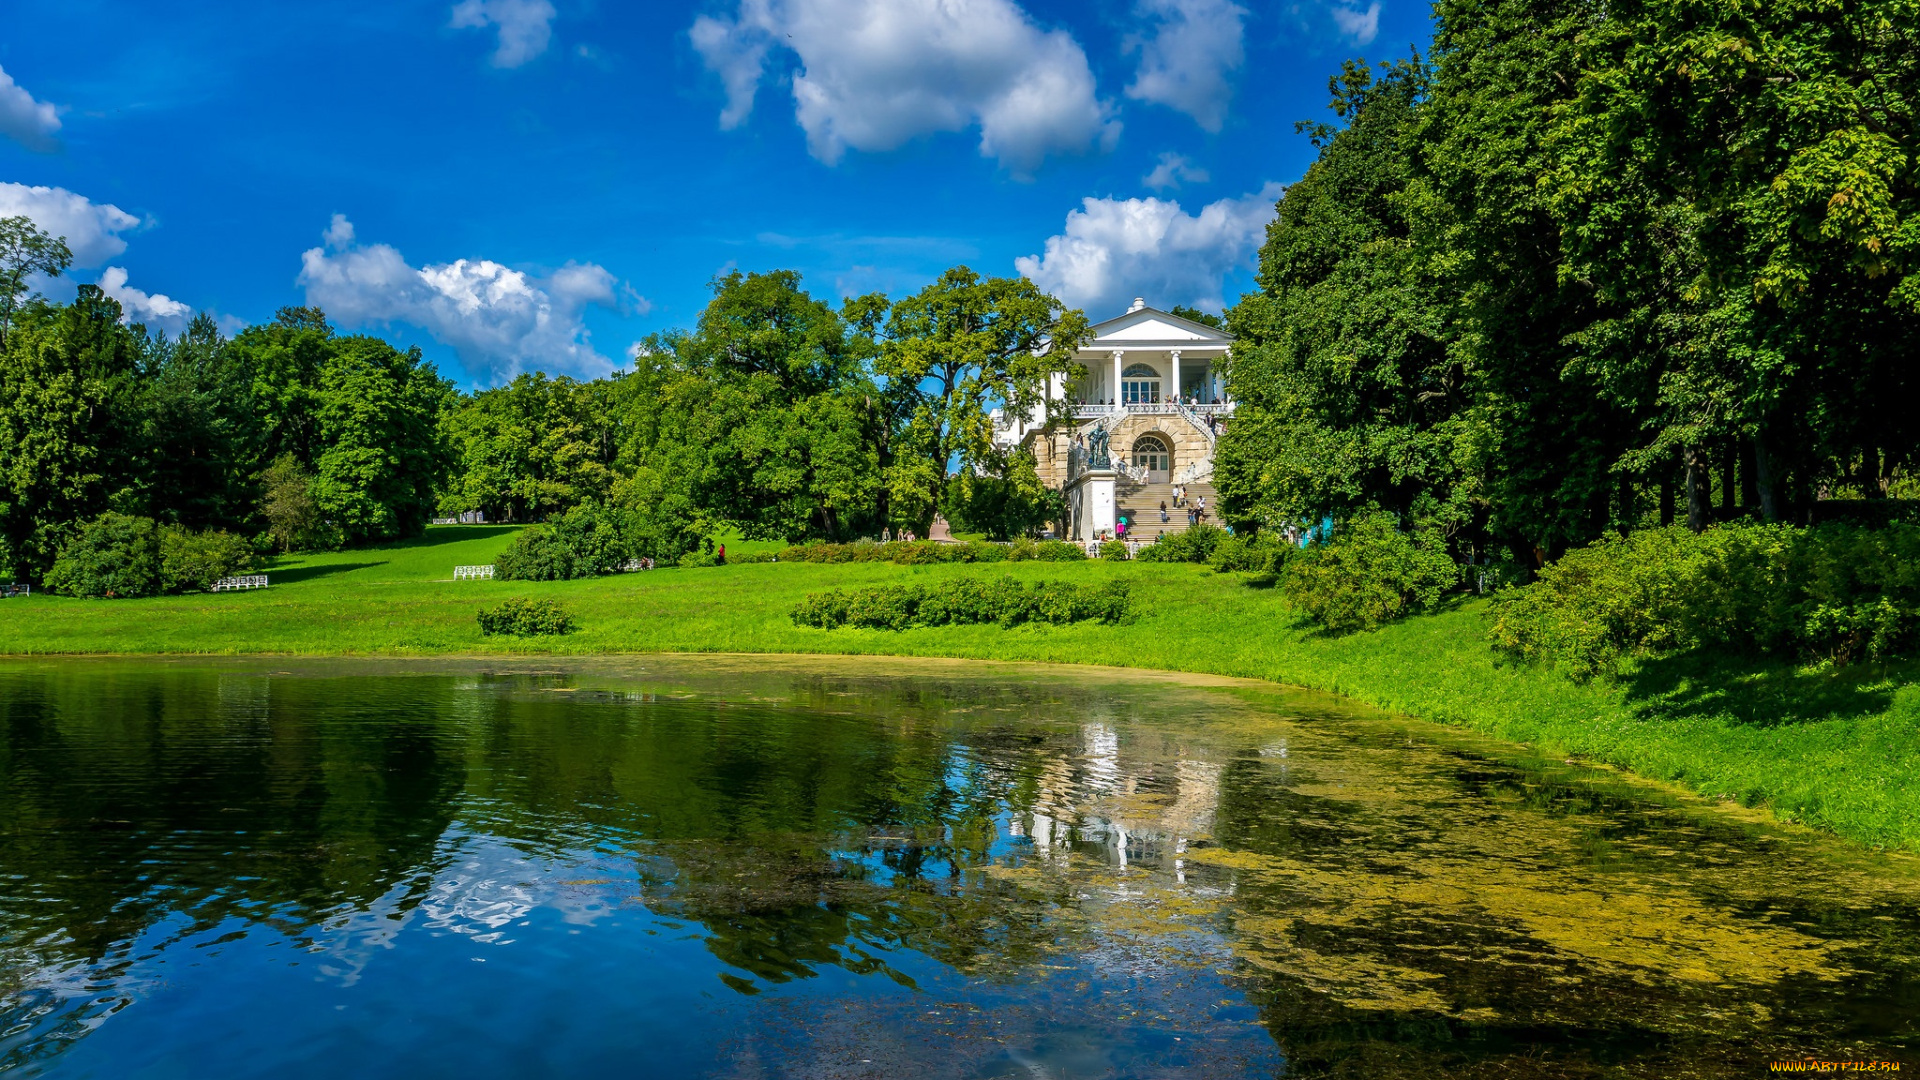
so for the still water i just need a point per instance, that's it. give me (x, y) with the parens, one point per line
(751, 867)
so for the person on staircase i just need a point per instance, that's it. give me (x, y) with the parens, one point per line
(1163, 511)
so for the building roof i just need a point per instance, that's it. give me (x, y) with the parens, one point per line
(1146, 327)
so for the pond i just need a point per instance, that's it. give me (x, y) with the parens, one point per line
(757, 867)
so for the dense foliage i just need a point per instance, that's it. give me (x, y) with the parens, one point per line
(1193, 545)
(1368, 574)
(119, 556)
(963, 601)
(1838, 592)
(1593, 267)
(909, 553)
(526, 618)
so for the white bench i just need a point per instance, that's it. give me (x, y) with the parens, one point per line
(15, 590)
(473, 573)
(247, 581)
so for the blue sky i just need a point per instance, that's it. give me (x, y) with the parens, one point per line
(536, 184)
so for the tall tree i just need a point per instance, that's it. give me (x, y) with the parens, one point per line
(25, 250)
(951, 353)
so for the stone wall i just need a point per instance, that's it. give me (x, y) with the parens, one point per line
(1188, 443)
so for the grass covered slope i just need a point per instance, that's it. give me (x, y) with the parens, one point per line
(1838, 749)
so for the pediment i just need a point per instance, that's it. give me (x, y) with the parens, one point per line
(1149, 325)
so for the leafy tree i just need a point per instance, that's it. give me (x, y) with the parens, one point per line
(1350, 393)
(381, 457)
(286, 502)
(69, 434)
(25, 250)
(951, 353)
(1196, 315)
(114, 555)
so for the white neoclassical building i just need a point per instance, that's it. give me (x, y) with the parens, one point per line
(1151, 384)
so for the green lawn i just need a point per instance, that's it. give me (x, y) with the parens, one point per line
(1840, 750)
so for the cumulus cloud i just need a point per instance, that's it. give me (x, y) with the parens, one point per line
(1360, 27)
(1114, 249)
(92, 229)
(1174, 170)
(875, 74)
(157, 310)
(32, 124)
(1189, 61)
(500, 321)
(525, 26)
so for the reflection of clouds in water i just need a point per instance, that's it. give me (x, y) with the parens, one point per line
(485, 886)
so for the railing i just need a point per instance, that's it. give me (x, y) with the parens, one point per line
(1139, 474)
(1083, 411)
(245, 581)
(1206, 428)
(1195, 472)
(473, 573)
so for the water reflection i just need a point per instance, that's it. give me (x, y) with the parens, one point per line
(764, 868)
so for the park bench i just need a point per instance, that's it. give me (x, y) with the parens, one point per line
(473, 573)
(245, 581)
(16, 590)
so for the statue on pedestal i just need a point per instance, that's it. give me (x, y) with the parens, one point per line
(1097, 440)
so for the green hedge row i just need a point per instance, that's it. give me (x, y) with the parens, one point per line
(1838, 592)
(921, 552)
(968, 600)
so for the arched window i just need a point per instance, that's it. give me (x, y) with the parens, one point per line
(1150, 453)
(1140, 385)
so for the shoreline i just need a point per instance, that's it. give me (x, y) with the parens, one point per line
(1835, 749)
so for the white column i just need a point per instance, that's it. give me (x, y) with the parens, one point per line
(1176, 375)
(1119, 355)
(1221, 393)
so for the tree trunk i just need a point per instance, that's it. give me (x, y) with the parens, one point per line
(1666, 502)
(1870, 474)
(1727, 477)
(1699, 490)
(1749, 491)
(1766, 484)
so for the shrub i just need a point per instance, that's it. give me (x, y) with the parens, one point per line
(584, 542)
(1113, 551)
(964, 601)
(1194, 544)
(1368, 574)
(1261, 553)
(1059, 551)
(696, 559)
(1023, 549)
(1836, 591)
(538, 553)
(114, 555)
(195, 560)
(526, 618)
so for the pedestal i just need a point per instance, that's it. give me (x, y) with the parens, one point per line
(1091, 499)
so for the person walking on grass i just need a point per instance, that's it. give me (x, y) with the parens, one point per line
(720, 555)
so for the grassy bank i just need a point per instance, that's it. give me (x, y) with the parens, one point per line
(1836, 749)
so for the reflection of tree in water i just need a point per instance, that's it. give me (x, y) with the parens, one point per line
(195, 798)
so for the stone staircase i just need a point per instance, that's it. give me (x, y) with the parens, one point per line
(1140, 503)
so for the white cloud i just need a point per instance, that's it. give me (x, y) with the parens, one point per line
(1189, 61)
(526, 26)
(1174, 170)
(875, 74)
(499, 320)
(92, 229)
(1360, 27)
(158, 310)
(1114, 249)
(30, 123)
